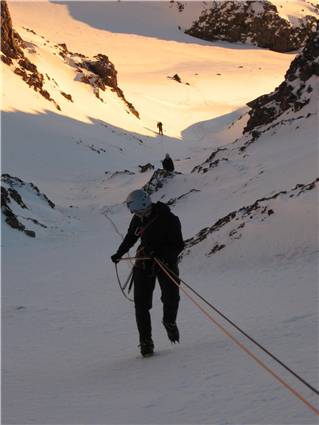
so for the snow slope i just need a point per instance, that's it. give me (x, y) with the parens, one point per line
(70, 343)
(293, 10)
(160, 19)
(221, 77)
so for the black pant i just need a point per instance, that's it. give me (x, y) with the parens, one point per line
(144, 284)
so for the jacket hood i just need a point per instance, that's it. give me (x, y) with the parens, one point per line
(161, 208)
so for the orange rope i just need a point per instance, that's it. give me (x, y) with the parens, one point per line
(240, 345)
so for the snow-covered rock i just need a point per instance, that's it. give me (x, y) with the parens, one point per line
(300, 85)
(158, 179)
(10, 40)
(270, 211)
(23, 206)
(253, 22)
(12, 54)
(99, 72)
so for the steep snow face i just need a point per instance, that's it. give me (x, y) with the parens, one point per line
(281, 126)
(251, 221)
(258, 23)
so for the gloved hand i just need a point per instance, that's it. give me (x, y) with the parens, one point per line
(116, 258)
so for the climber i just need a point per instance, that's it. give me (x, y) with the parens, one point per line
(160, 128)
(168, 164)
(159, 231)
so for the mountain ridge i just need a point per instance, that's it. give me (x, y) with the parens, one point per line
(252, 22)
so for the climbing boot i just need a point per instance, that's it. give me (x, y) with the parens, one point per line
(147, 347)
(172, 331)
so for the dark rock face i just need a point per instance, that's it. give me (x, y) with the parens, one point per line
(12, 54)
(254, 22)
(158, 180)
(11, 200)
(9, 42)
(177, 78)
(146, 167)
(67, 96)
(104, 69)
(293, 93)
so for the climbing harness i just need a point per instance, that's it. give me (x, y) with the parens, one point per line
(181, 283)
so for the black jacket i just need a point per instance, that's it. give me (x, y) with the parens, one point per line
(160, 232)
(168, 164)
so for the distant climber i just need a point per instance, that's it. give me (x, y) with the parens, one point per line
(168, 164)
(160, 128)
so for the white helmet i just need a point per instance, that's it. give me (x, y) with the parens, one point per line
(138, 201)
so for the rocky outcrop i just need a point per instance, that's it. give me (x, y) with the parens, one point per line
(179, 5)
(231, 227)
(104, 69)
(99, 72)
(9, 40)
(31, 76)
(252, 22)
(146, 167)
(173, 201)
(211, 162)
(13, 55)
(16, 195)
(120, 173)
(300, 84)
(158, 179)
